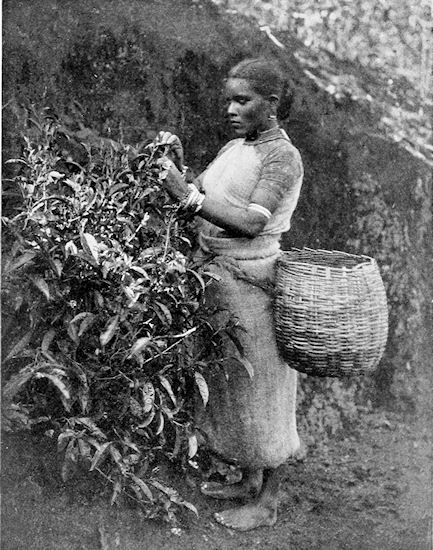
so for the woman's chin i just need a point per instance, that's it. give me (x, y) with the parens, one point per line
(239, 131)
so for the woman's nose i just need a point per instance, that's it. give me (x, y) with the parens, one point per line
(231, 109)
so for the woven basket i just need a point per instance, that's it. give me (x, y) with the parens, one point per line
(330, 312)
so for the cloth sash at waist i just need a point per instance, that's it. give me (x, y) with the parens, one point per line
(264, 246)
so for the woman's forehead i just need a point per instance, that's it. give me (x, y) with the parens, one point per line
(239, 86)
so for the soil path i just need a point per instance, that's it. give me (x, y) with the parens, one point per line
(369, 490)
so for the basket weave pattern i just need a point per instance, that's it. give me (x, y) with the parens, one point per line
(330, 309)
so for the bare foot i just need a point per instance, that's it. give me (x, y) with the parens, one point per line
(241, 490)
(247, 517)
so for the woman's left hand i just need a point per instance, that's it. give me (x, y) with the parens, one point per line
(173, 181)
(174, 146)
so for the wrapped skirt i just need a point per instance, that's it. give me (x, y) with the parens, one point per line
(250, 420)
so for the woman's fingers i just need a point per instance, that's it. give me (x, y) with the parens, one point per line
(173, 139)
(174, 145)
(166, 138)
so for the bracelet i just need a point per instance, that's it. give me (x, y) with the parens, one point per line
(192, 201)
(184, 171)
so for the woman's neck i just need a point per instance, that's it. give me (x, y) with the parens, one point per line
(261, 133)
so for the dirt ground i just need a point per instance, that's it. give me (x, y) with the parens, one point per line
(370, 489)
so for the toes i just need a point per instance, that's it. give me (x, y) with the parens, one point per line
(246, 518)
(220, 519)
(225, 522)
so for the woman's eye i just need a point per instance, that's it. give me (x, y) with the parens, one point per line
(237, 99)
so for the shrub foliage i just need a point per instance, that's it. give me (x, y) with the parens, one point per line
(98, 271)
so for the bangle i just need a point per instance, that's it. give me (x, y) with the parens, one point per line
(192, 201)
(184, 171)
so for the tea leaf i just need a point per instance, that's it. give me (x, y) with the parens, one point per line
(65, 395)
(202, 386)
(198, 277)
(189, 505)
(90, 246)
(99, 299)
(55, 175)
(91, 425)
(177, 442)
(135, 407)
(84, 448)
(192, 446)
(167, 386)
(58, 267)
(64, 438)
(110, 331)
(20, 345)
(81, 316)
(140, 345)
(117, 187)
(19, 161)
(42, 285)
(47, 340)
(73, 332)
(166, 316)
(115, 453)
(70, 249)
(148, 421)
(99, 455)
(83, 387)
(116, 492)
(26, 258)
(164, 489)
(246, 364)
(160, 426)
(144, 488)
(86, 323)
(131, 445)
(148, 393)
(141, 271)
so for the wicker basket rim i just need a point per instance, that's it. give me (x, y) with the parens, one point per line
(366, 260)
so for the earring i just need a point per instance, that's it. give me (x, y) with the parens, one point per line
(272, 117)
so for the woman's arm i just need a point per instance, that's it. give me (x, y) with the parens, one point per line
(239, 222)
(281, 171)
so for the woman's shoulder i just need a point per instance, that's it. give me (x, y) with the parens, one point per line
(280, 149)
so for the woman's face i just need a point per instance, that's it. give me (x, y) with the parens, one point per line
(248, 111)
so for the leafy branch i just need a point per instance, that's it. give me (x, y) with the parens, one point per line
(106, 303)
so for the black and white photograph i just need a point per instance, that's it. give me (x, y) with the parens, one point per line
(216, 275)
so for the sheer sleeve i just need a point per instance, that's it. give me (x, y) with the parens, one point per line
(227, 146)
(199, 179)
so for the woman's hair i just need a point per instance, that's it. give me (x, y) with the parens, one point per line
(265, 76)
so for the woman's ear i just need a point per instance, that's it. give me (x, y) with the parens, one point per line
(273, 103)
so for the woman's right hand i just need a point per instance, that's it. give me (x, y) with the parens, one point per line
(174, 146)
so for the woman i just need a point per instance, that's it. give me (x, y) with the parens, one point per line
(245, 199)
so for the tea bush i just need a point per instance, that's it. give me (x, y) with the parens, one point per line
(98, 270)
